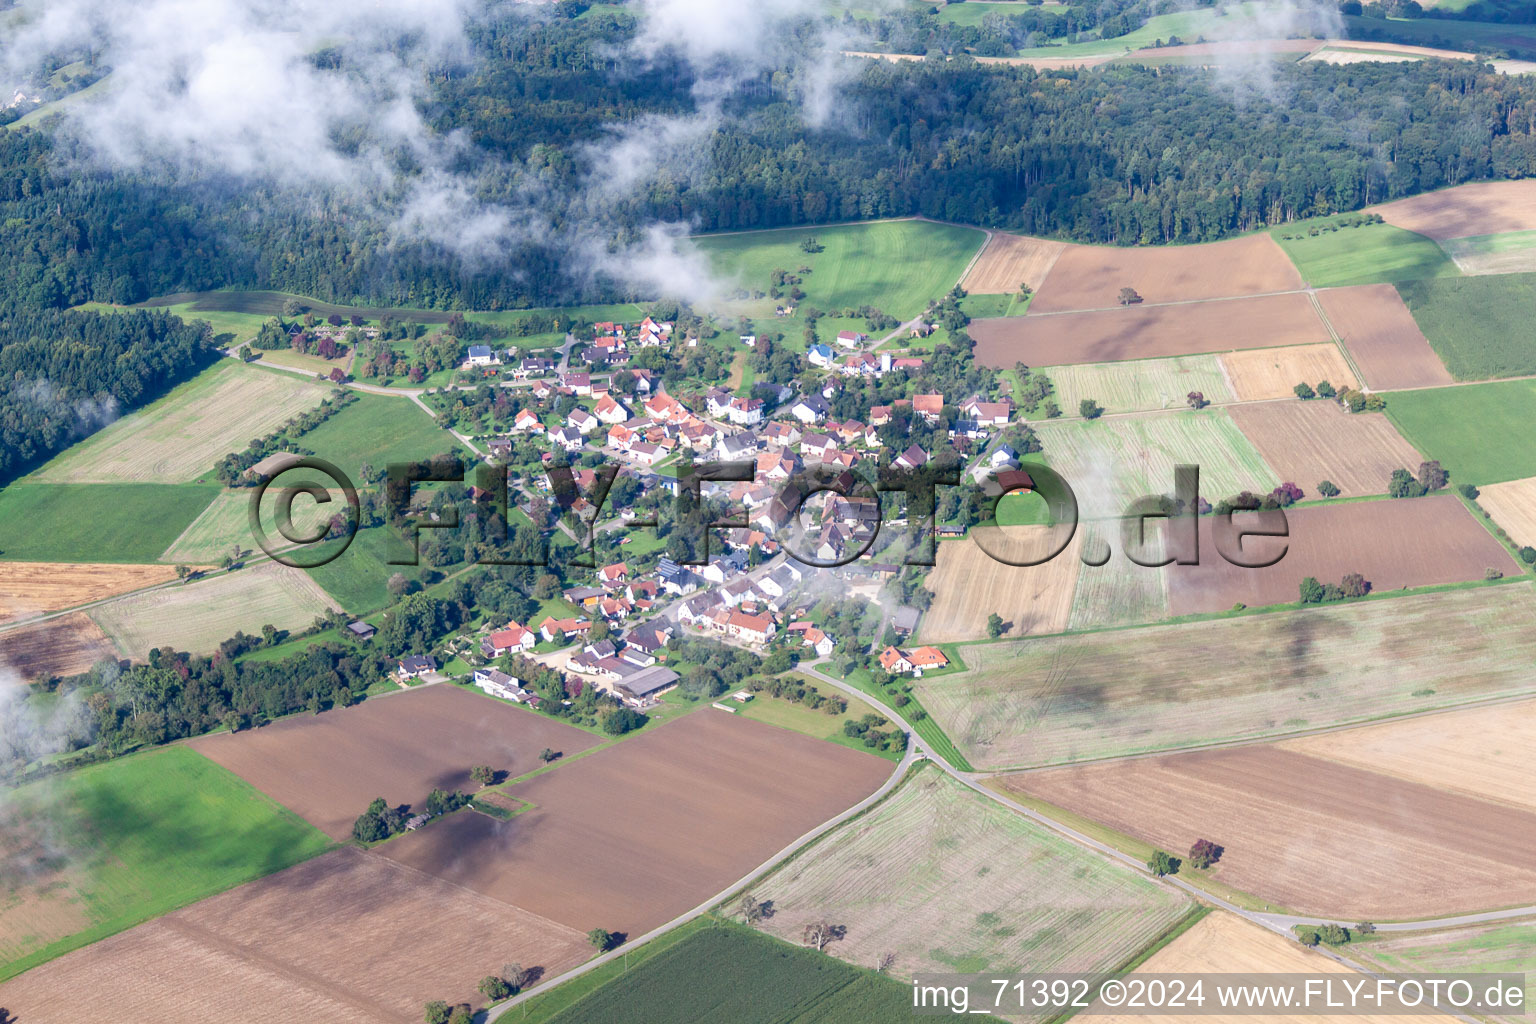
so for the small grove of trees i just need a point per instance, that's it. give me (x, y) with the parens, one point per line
(1431, 477)
(483, 774)
(1358, 401)
(1163, 863)
(1332, 934)
(439, 1012)
(995, 625)
(1088, 409)
(865, 730)
(1287, 494)
(753, 910)
(1352, 585)
(378, 822)
(603, 940)
(1324, 389)
(1196, 400)
(1204, 853)
(1328, 489)
(622, 720)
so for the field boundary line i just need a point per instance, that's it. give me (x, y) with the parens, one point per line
(1338, 341)
(976, 256)
(1172, 302)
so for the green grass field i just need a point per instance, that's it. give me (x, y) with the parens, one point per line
(897, 266)
(1477, 36)
(1504, 253)
(1469, 428)
(226, 523)
(1479, 325)
(1187, 25)
(1141, 384)
(1370, 254)
(239, 327)
(1497, 947)
(96, 522)
(730, 973)
(118, 843)
(819, 724)
(378, 430)
(359, 578)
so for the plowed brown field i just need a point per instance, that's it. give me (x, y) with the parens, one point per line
(1382, 337)
(1141, 332)
(62, 646)
(31, 588)
(1262, 373)
(350, 936)
(1011, 260)
(1091, 276)
(1312, 835)
(969, 585)
(1512, 506)
(327, 768)
(1394, 543)
(1309, 442)
(631, 836)
(1481, 208)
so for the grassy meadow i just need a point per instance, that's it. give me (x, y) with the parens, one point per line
(1140, 384)
(897, 266)
(818, 724)
(377, 430)
(1467, 428)
(96, 522)
(115, 844)
(1369, 254)
(1480, 326)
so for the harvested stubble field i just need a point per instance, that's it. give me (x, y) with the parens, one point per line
(1146, 331)
(1393, 543)
(1009, 261)
(1140, 385)
(1091, 276)
(1222, 943)
(1072, 698)
(1111, 462)
(1382, 337)
(1499, 946)
(968, 585)
(1309, 442)
(198, 616)
(1119, 592)
(628, 837)
(1316, 836)
(1481, 208)
(226, 523)
(949, 880)
(62, 646)
(1513, 506)
(1261, 373)
(1511, 253)
(328, 767)
(1483, 753)
(181, 436)
(348, 936)
(32, 588)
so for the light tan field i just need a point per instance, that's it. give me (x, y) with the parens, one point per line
(1009, 261)
(183, 435)
(1119, 592)
(1511, 253)
(226, 523)
(1479, 752)
(1224, 48)
(348, 936)
(31, 588)
(1369, 48)
(1481, 208)
(969, 585)
(1382, 337)
(1261, 373)
(1332, 56)
(1309, 442)
(198, 616)
(1223, 943)
(1038, 63)
(1141, 384)
(63, 646)
(1512, 506)
(1091, 276)
(941, 876)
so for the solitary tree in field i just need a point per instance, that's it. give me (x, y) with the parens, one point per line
(1163, 864)
(1196, 400)
(883, 962)
(751, 909)
(1328, 489)
(494, 988)
(182, 572)
(1128, 296)
(820, 933)
(1304, 391)
(514, 975)
(483, 774)
(601, 939)
(995, 625)
(437, 1012)
(1204, 853)
(1432, 476)
(546, 755)
(1088, 409)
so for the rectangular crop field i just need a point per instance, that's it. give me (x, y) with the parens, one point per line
(1142, 384)
(896, 266)
(198, 616)
(348, 936)
(1119, 592)
(950, 880)
(1478, 752)
(1074, 698)
(1382, 337)
(180, 437)
(1111, 462)
(1262, 373)
(1146, 331)
(628, 837)
(1480, 208)
(1223, 943)
(359, 577)
(1009, 261)
(1479, 325)
(1513, 507)
(32, 588)
(1395, 543)
(96, 522)
(969, 585)
(402, 746)
(1309, 442)
(1498, 946)
(1510, 253)
(729, 973)
(1466, 428)
(1091, 276)
(1367, 254)
(1312, 835)
(65, 645)
(377, 430)
(226, 522)
(99, 849)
